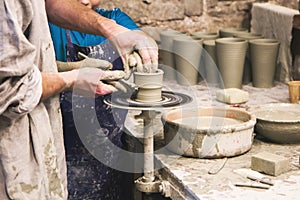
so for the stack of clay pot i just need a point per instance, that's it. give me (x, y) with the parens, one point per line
(180, 57)
(229, 58)
(258, 58)
(208, 57)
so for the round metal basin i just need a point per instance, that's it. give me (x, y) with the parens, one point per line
(279, 122)
(208, 132)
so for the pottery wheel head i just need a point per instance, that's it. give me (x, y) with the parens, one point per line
(168, 100)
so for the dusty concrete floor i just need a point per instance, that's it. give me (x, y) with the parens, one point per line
(190, 175)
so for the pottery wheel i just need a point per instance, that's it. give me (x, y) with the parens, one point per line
(168, 100)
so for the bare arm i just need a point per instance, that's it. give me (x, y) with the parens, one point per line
(73, 15)
(54, 83)
(86, 81)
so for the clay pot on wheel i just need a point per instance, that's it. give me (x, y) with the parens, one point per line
(149, 86)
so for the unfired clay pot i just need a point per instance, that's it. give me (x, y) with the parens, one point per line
(231, 53)
(149, 86)
(229, 32)
(263, 55)
(166, 52)
(205, 35)
(278, 122)
(210, 62)
(247, 76)
(187, 53)
(208, 132)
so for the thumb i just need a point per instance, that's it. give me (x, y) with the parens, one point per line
(112, 75)
(96, 63)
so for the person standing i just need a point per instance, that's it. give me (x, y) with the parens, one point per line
(100, 181)
(31, 142)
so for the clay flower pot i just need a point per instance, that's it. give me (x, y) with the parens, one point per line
(263, 56)
(149, 85)
(247, 76)
(231, 53)
(294, 91)
(187, 52)
(229, 32)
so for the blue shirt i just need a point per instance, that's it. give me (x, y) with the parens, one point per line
(60, 40)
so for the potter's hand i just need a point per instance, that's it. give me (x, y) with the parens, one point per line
(86, 62)
(123, 86)
(127, 42)
(134, 61)
(92, 81)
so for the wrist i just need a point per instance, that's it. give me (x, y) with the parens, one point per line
(109, 28)
(69, 78)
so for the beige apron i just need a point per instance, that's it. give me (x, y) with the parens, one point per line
(31, 139)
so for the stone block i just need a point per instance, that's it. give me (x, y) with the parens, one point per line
(193, 7)
(269, 163)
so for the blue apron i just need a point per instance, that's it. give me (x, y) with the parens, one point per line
(89, 178)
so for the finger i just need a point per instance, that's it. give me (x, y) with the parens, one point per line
(139, 63)
(112, 75)
(149, 55)
(125, 61)
(119, 86)
(64, 66)
(103, 64)
(132, 61)
(144, 54)
(154, 60)
(103, 89)
(96, 63)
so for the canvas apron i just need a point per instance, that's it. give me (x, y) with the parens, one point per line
(88, 178)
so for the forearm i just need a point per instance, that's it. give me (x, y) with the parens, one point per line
(65, 14)
(54, 83)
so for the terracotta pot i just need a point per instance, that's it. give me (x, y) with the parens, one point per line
(187, 59)
(231, 53)
(247, 75)
(229, 32)
(166, 55)
(294, 91)
(263, 56)
(149, 85)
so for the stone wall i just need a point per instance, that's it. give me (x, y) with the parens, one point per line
(191, 15)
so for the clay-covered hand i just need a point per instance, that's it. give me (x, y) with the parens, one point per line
(123, 86)
(85, 63)
(127, 42)
(92, 81)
